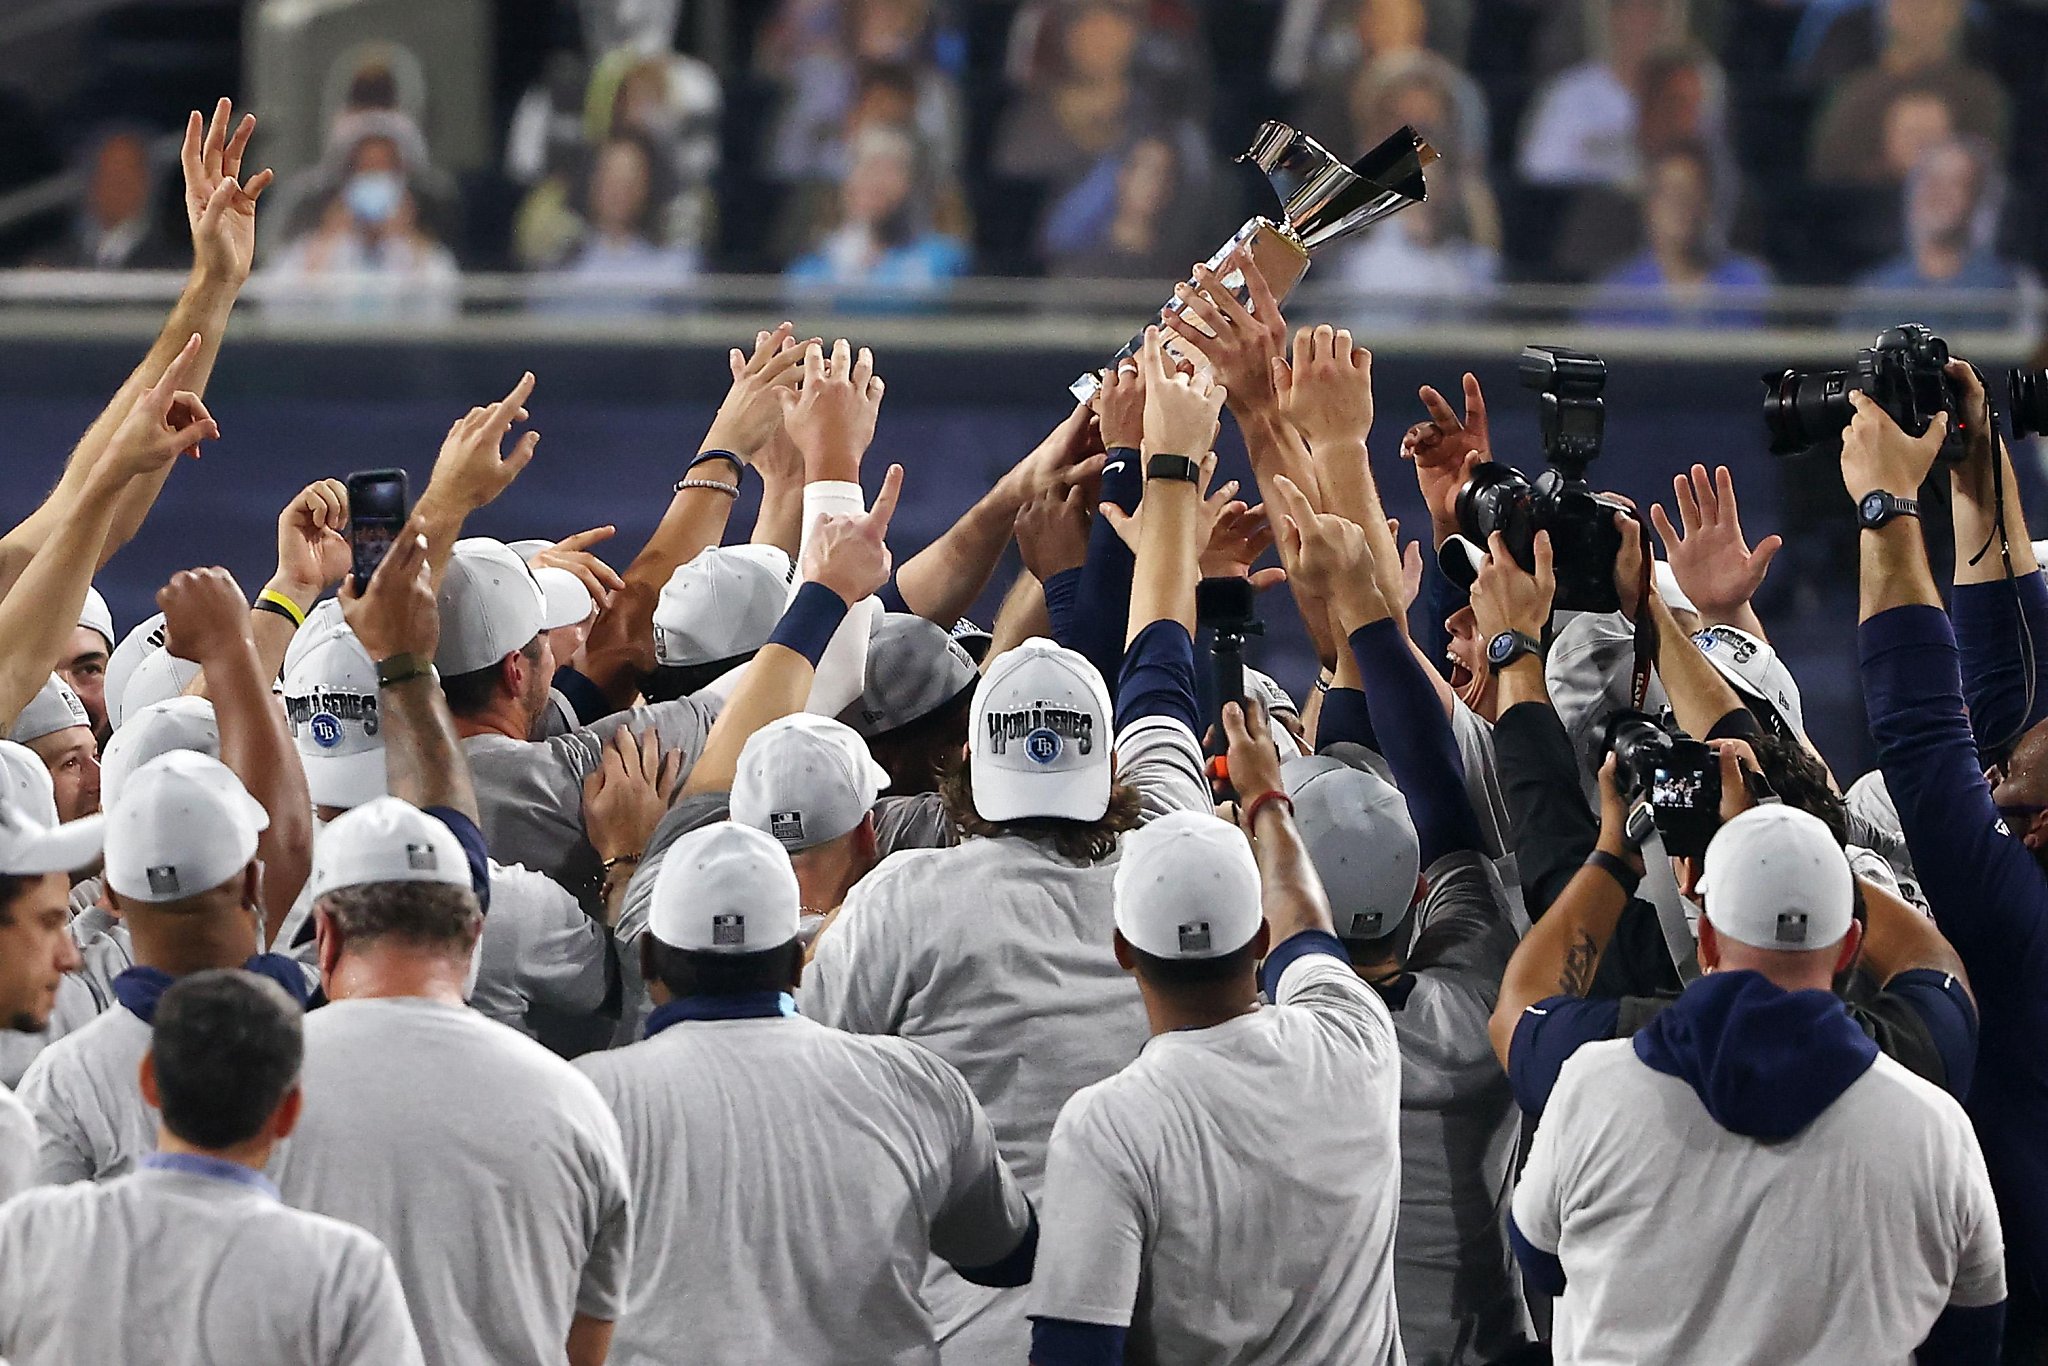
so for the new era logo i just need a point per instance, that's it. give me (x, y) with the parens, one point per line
(163, 879)
(1792, 927)
(1194, 938)
(786, 825)
(728, 931)
(421, 858)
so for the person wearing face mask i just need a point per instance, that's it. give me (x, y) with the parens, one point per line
(368, 255)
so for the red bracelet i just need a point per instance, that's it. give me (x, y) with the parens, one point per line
(1251, 808)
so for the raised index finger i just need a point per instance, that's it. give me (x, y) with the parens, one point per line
(1440, 411)
(879, 516)
(504, 410)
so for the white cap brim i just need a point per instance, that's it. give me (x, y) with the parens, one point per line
(346, 780)
(59, 848)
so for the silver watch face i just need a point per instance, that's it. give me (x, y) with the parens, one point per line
(1874, 505)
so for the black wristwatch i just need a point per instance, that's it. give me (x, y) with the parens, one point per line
(1509, 646)
(1879, 508)
(1181, 467)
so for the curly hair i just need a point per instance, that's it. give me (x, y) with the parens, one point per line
(433, 915)
(1078, 841)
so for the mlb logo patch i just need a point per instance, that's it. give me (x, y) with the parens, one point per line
(1194, 938)
(326, 729)
(1364, 926)
(163, 879)
(421, 858)
(786, 825)
(1792, 927)
(728, 931)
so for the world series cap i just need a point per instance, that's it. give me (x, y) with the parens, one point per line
(726, 888)
(1187, 887)
(331, 704)
(1039, 736)
(805, 779)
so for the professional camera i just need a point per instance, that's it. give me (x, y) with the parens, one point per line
(2029, 391)
(1583, 538)
(1680, 778)
(1903, 371)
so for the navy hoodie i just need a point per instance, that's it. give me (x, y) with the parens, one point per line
(1765, 1062)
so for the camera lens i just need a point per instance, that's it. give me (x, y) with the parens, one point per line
(2029, 393)
(1802, 409)
(1491, 501)
(1640, 748)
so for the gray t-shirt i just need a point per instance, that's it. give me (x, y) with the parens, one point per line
(1231, 1195)
(530, 793)
(789, 1184)
(490, 1168)
(91, 1120)
(1459, 1292)
(178, 1268)
(17, 1146)
(539, 947)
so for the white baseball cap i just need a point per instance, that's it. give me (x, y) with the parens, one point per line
(26, 785)
(1776, 879)
(723, 603)
(159, 728)
(331, 704)
(1039, 736)
(1665, 579)
(805, 779)
(323, 618)
(564, 599)
(96, 616)
(144, 639)
(727, 888)
(386, 839)
(914, 668)
(54, 707)
(1187, 887)
(1361, 839)
(184, 824)
(490, 606)
(159, 677)
(1753, 669)
(30, 847)
(529, 547)
(1267, 689)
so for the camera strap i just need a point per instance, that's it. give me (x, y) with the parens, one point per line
(1660, 889)
(1646, 628)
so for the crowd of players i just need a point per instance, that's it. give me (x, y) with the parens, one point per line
(925, 998)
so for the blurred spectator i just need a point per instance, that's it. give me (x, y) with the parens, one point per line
(1320, 47)
(116, 226)
(1922, 56)
(1582, 127)
(884, 241)
(1171, 45)
(619, 264)
(1136, 215)
(1686, 276)
(1078, 105)
(1954, 197)
(644, 25)
(1838, 38)
(825, 54)
(369, 255)
(546, 134)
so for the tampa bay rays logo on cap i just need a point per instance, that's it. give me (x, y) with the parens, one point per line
(1042, 746)
(728, 930)
(1194, 937)
(326, 729)
(1792, 927)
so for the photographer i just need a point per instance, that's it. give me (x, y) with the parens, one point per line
(1976, 849)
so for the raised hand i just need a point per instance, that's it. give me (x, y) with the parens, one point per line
(1239, 343)
(205, 615)
(472, 468)
(1711, 558)
(752, 410)
(312, 542)
(1444, 450)
(1507, 597)
(1180, 410)
(1327, 556)
(850, 554)
(1240, 535)
(831, 415)
(1052, 531)
(1053, 463)
(1120, 407)
(625, 797)
(1253, 758)
(396, 614)
(1129, 526)
(1327, 393)
(573, 554)
(219, 205)
(166, 421)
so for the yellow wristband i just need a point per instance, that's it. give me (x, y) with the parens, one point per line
(291, 609)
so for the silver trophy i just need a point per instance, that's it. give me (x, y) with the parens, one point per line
(1322, 201)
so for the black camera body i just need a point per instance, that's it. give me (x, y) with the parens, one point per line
(2028, 390)
(1583, 540)
(1905, 373)
(1679, 776)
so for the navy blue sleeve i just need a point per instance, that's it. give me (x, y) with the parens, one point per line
(1988, 619)
(1964, 1337)
(1944, 1007)
(1416, 740)
(1105, 597)
(1293, 950)
(810, 621)
(1063, 1342)
(1158, 677)
(586, 699)
(1063, 608)
(1988, 894)
(891, 598)
(1542, 1270)
(473, 848)
(1548, 1033)
(1012, 1270)
(1345, 719)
